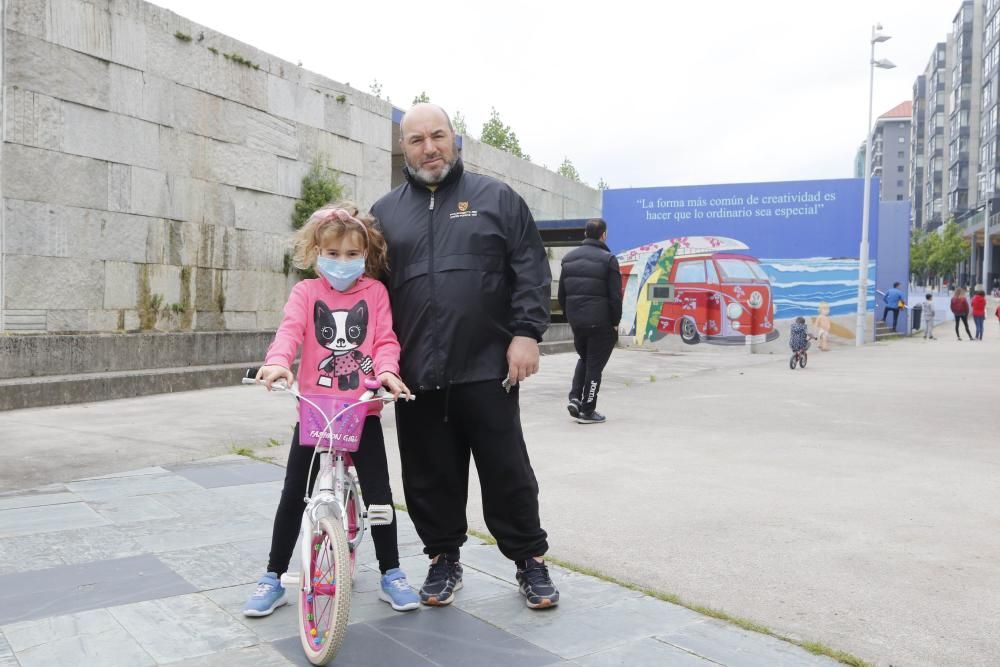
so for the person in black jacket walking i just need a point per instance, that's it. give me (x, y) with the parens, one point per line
(470, 287)
(590, 293)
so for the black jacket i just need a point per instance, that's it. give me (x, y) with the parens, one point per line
(590, 286)
(467, 272)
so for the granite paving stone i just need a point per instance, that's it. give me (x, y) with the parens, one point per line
(138, 472)
(191, 531)
(454, 638)
(86, 545)
(132, 485)
(646, 652)
(255, 656)
(363, 646)
(571, 633)
(26, 553)
(74, 588)
(282, 623)
(134, 509)
(89, 639)
(6, 653)
(212, 566)
(49, 518)
(229, 474)
(185, 626)
(35, 499)
(261, 498)
(731, 645)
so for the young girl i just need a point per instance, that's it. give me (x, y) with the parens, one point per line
(342, 322)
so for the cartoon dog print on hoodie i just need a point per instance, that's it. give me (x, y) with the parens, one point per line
(342, 332)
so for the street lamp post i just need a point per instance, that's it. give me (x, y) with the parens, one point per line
(859, 335)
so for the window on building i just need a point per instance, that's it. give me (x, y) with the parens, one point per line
(899, 184)
(899, 197)
(902, 139)
(901, 154)
(900, 168)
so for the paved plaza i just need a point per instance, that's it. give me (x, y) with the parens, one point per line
(152, 566)
(853, 503)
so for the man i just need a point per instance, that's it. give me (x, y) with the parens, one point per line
(590, 293)
(893, 300)
(470, 287)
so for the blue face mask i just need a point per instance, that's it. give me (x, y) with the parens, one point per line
(341, 274)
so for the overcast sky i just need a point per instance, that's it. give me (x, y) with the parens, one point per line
(641, 94)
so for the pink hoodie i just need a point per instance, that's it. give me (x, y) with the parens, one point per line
(345, 337)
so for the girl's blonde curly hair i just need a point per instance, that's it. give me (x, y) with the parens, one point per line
(332, 222)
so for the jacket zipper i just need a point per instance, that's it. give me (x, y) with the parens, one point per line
(430, 273)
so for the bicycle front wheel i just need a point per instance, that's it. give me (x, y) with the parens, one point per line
(323, 612)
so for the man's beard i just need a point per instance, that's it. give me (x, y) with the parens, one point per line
(425, 176)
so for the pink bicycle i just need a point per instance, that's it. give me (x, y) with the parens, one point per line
(333, 523)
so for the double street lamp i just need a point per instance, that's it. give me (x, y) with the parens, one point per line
(859, 335)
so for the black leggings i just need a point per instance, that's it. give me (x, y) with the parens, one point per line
(964, 319)
(373, 474)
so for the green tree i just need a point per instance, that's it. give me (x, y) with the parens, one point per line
(458, 122)
(375, 88)
(320, 187)
(918, 256)
(568, 170)
(601, 184)
(422, 97)
(948, 250)
(497, 134)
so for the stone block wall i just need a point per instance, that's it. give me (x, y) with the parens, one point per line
(148, 160)
(149, 167)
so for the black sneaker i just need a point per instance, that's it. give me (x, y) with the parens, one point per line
(592, 417)
(574, 407)
(443, 579)
(536, 586)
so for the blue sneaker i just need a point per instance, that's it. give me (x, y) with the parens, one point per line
(269, 596)
(397, 592)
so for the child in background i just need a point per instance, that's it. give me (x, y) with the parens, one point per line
(929, 317)
(823, 326)
(343, 325)
(798, 337)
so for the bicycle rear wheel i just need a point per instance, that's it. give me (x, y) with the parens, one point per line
(803, 359)
(323, 613)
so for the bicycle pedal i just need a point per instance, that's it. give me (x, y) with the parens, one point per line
(379, 515)
(291, 579)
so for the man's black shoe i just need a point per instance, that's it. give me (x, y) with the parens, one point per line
(592, 417)
(574, 407)
(537, 588)
(443, 579)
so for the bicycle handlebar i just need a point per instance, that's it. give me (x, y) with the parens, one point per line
(371, 395)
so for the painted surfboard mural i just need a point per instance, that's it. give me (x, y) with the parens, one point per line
(718, 294)
(644, 261)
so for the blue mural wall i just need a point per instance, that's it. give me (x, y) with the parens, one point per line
(805, 234)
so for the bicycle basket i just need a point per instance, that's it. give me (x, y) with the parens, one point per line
(345, 430)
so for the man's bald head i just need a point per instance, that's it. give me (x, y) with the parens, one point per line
(428, 142)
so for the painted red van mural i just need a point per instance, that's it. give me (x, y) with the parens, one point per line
(700, 288)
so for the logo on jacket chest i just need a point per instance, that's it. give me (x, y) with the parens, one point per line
(463, 212)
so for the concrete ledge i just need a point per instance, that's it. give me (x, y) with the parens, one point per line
(46, 355)
(36, 392)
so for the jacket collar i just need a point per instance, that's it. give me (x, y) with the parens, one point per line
(453, 175)
(597, 243)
